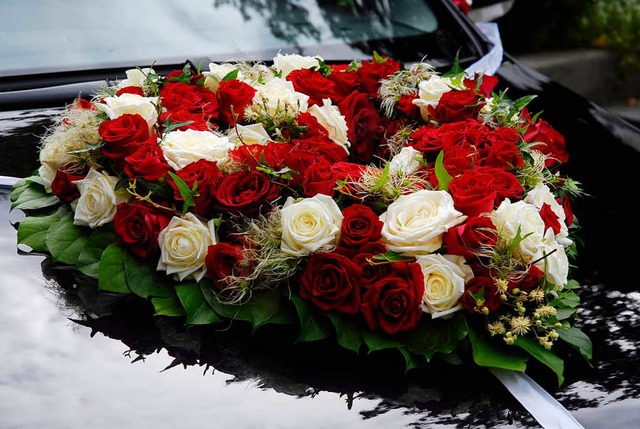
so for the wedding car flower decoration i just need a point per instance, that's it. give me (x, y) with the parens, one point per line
(367, 204)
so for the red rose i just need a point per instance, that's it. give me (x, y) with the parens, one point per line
(471, 238)
(426, 139)
(233, 97)
(318, 179)
(130, 90)
(483, 83)
(331, 282)
(224, 261)
(206, 174)
(321, 146)
(359, 226)
(146, 161)
(347, 171)
(372, 72)
(551, 142)
(406, 107)
(473, 192)
(363, 121)
(245, 191)
(63, 187)
(506, 185)
(196, 121)
(392, 304)
(345, 82)
(195, 99)
(456, 106)
(550, 219)
(568, 213)
(81, 103)
(489, 298)
(528, 281)
(459, 159)
(500, 150)
(138, 225)
(120, 132)
(313, 84)
(371, 270)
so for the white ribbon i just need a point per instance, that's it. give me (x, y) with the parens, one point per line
(490, 63)
(542, 406)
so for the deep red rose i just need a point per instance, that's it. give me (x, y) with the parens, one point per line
(345, 83)
(426, 139)
(348, 171)
(484, 84)
(371, 270)
(146, 161)
(309, 126)
(130, 90)
(313, 84)
(392, 304)
(372, 72)
(318, 179)
(63, 187)
(552, 142)
(568, 213)
(506, 185)
(195, 99)
(528, 281)
(138, 225)
(120, 132)
(331, 282)
(360, 225)
(196, 121)
(490, 297)
(472, 192)
(321, 146)
(363, 122)
(233, 97)
(455, 106)
(460, 159)
(500, 150)
(206, 174)
(223, 261)
(470, 238)
(550, 219)
(245, 191)
(406, 107)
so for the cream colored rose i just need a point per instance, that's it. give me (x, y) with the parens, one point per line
(553, 261)
(290, 62)
(541, 195)
(444, 280)
(132, 104)
(181, 148)
(248, 135)
(406, 162)
(98, 199)
(509, 217)
(183, 246)
(414, 223)
(136, 77)
(310, 225)
(330, 118)
(430, 91)
(278, 99)
(216, 73)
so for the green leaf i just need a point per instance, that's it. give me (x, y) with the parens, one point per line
(144, 280)
(566, 299)
(522, 102)
(260, 309)
(410, 361)
(233, 74)
(384, 178)
(441, 173)
(186, 193)
(565, 313)
(312, 327)
(455, 70)
(487, 354)
(168, 306)
(66, 241)
(32, 230)
(89, 258)
(377, 341)
(198, 310)
(578, 340)
(547, 357)
(348, 334)
(111, 274)
(572, 285)
(33, 197)
(437, 335)
(391, 256)
(378, 59)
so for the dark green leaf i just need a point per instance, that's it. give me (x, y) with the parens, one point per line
(185, 192)
(312, 326)
(111, 274)
(33, 230)
(578, 340)
(260, 309)
(410, 361)
(144, 280)
(488, 354)
(543, 355)
(169, 306)
(522, 102)
(89, 257)
(566, 299)
(437, 335)
(348, 333)
(441, 173)
(198, 310)
(564, 313)
(377, 341)
(66, 241)
(455, 70)
(34, 197)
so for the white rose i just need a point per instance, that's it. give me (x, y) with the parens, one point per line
(98, 199)
(541, 195)
(135, 77)
(278, 97)
(216, 73)
(444, 280)
(406, 162)
(429, 93)
(290, 62)
(183, 246)
(181, 148)
(414, 223)
(310, 225)
(330, 118)
(509, 217)
(248, 135)
(553, 261)
(132, 104)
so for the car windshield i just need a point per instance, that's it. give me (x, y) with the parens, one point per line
(42, 37)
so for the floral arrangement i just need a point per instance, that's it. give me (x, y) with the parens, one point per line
(367, 203)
